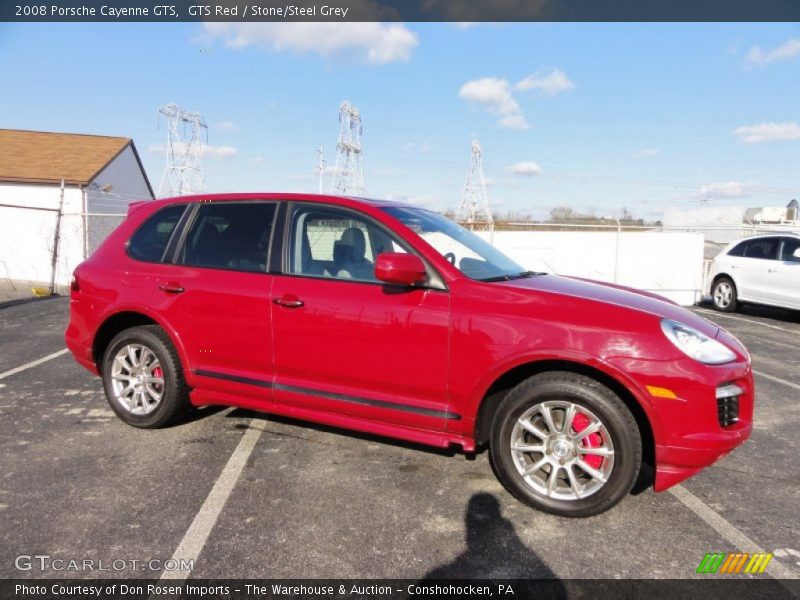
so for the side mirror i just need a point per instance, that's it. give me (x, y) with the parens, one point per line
(796, 253)
(400, 269)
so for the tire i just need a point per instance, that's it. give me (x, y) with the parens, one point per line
(723, 295)
(557, 392)
(139, 406)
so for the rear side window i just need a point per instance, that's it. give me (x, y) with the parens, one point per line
(151, 239)
(738, 250)
(230, 235)
(765, 248)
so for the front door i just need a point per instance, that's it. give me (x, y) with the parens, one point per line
(345, 342)
(217, 296)
(783, 276)
(760, 255)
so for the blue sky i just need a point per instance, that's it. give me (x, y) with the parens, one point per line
(592, 116)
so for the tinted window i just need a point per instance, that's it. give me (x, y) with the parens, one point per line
(151, 239)
(228, 235)
(738, 250)
(789, 246)
(328, 242)
(766, 248)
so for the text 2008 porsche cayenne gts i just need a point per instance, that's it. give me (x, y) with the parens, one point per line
(393, 320)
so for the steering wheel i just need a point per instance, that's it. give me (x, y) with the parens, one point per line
(451, 258)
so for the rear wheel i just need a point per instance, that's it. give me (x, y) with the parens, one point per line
(143, 378)
(565, 444)
(723, 295)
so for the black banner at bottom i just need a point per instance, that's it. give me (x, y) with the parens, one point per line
(722, 588)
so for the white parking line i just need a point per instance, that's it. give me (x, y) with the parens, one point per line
(34, 363)
(195, 538)
(727, 316)
(728, 531)
(790, 384)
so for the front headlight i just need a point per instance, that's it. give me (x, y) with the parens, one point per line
(696, 345)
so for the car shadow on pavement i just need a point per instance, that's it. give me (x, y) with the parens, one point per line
(495, 551)
(765, 312)
(300, 424)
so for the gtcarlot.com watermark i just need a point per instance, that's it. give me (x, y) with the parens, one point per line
(46, 562)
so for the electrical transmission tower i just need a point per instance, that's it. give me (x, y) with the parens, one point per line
(474, 211)
(348, 173)
(183, 172)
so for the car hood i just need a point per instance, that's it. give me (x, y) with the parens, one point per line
(595, 291)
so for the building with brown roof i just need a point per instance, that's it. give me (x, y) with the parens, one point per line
(82, 182)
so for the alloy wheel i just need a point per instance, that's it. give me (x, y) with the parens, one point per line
(562, 450)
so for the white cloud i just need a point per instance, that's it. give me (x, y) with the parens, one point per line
(228, 127)
(514, 122)
(376, 43)
(525, 169)
(768, 132)
(257, 160)
(549, 81)
(647, 153)
(494, 94)
(205, 150)
(786, 51)
(726, 190)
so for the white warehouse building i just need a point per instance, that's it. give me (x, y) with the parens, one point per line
(62, 194)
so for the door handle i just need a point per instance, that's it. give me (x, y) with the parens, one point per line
(734, 266)
(172, 288)
(289, 301)
(771, 270)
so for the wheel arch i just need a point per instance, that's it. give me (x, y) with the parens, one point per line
(510, 378)
(125, 319)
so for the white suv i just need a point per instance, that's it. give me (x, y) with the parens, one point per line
(763, 269)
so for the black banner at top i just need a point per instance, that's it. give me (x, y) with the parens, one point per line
(400, 10)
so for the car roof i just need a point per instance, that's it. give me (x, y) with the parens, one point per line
(321, 198)
(769, 235)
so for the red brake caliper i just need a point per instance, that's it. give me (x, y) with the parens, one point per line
(157, 372)
(579, 423)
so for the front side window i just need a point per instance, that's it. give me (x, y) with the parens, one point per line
(471, 255)
(230, 235)
(150, 241)
(764, 248)
(787, 251)
(335, 243)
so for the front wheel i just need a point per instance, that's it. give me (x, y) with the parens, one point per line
(565, 444)
(143, 378)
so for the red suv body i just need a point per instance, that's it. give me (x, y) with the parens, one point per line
(388, 319)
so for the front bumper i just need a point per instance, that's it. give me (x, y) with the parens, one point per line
(687, 433)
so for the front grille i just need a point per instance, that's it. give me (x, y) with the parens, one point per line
(728, 410)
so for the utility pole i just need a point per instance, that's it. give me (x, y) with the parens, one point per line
(183, 172)
(348, 174)
(474, 212)
(320, 168)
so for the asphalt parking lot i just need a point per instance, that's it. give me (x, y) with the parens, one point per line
(310, 501)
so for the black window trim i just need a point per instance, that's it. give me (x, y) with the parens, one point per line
(435, 280)
(178, 224)
(192, 217)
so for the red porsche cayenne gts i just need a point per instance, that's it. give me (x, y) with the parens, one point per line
(393, 320)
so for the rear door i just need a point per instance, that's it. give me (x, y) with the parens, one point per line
(760, 255)
(216, 295)
(783, 276)
(346, 343)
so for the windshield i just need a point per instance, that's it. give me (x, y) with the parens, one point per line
(471, 255)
